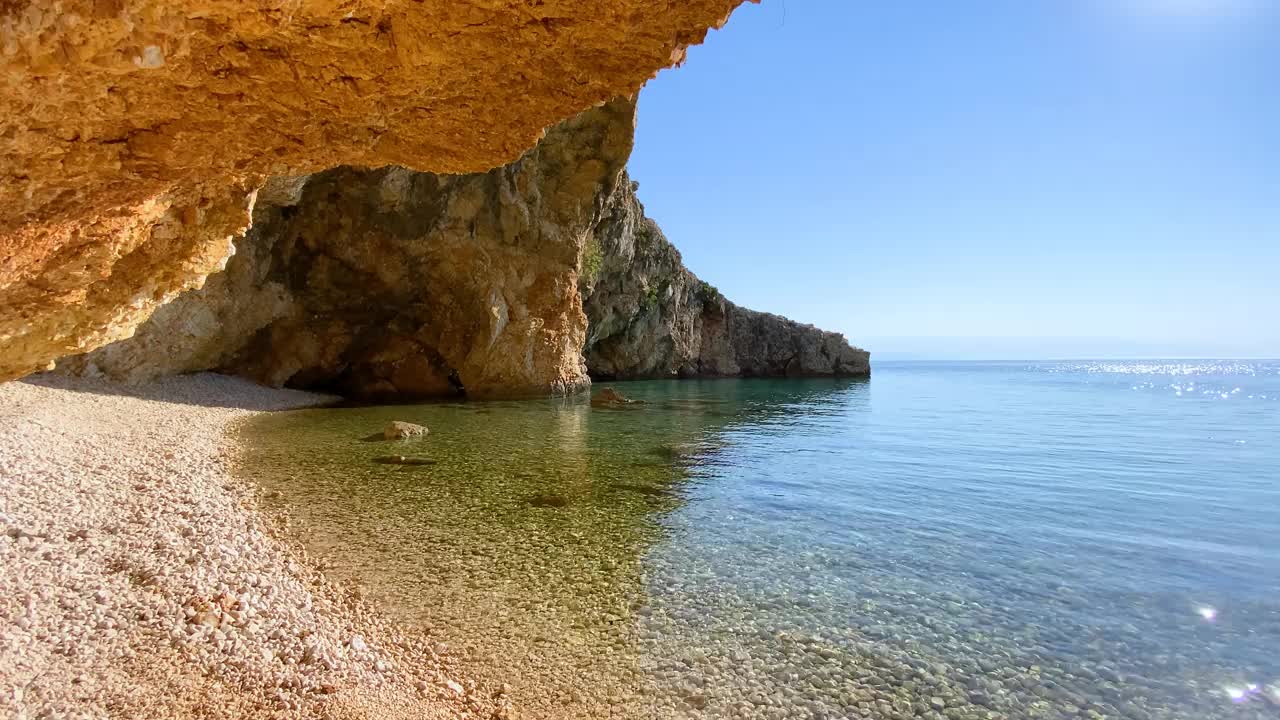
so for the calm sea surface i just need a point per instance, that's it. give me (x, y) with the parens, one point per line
(944, 540)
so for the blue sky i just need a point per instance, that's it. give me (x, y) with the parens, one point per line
(997, 177)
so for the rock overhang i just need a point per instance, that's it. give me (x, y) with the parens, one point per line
(134, 132)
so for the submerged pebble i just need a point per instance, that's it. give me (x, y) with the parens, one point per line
(403, 460)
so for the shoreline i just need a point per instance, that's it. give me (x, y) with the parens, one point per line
(139, 576)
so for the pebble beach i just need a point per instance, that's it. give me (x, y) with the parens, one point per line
(138, 579)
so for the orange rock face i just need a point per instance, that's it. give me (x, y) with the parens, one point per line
(133, 133)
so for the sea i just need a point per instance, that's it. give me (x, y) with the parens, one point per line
(958, 540)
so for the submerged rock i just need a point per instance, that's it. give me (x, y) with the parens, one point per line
(400, 430)
(675, 451)
(608, 397)
(548, 500)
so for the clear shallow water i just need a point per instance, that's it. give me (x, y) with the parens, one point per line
(945, 540)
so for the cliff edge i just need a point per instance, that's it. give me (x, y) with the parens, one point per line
(648, 316)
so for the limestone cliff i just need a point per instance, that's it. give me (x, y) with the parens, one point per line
(201, 329)
(392, 282)
(648, 316)
(134, 133)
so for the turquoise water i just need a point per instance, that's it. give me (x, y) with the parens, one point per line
(945, 540)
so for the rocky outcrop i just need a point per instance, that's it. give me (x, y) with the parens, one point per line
(203, 328)
(392, 282)
(395, 283)
(401, 430)
(133, 133)
(648, 316)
